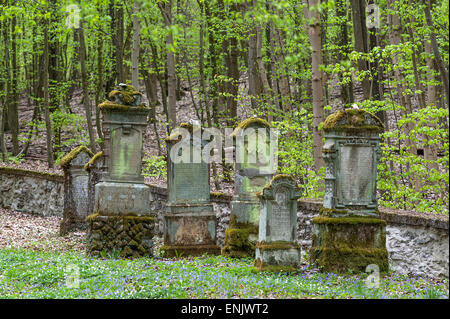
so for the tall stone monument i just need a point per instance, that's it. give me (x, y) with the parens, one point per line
(190, 221)
(75, 189)
(348, 234)
(276, 249)
(121, 219)
(254, 167)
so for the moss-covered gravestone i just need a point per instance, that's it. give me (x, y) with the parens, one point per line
(276, 249)
(121, 220)
(348, 234)
(190, 221)
(75, 189)
(254, 164)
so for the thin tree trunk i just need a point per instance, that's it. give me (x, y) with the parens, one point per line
(318, 112)
(48, 124)
(99, 88)
(437, 55)
(166, 11)
(119, 45)
(361, 41)
(13, 112)
(84, 83)
(136, 46)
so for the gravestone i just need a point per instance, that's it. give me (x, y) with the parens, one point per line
(75, 189)
(348, 233)
(190, 221)
(121, 218)
(95, 169)
(276, 249)
(254, 167)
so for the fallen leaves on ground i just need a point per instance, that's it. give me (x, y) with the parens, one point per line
(22, 230)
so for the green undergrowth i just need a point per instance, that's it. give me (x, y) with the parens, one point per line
(37, 274)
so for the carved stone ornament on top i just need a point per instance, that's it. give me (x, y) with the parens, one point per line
(351, 153)
(125, 94)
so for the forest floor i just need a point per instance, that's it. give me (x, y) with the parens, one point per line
(35, 262)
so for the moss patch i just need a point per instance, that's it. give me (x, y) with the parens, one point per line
(246, 123)
(237, 244)
(348, 220)
(92, 161)
(65, 161)
(275, 245)
(108, 105)
(352, 121)
(342, 260)
(31, 173)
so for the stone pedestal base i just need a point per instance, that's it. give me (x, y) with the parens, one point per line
(277, 257)
(242, 233)
(341, 244)
(128, 236)
(190, 230)
(115, 198)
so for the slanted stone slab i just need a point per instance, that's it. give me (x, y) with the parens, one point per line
(254, 167)
(121, 197)
(349, 234)
(76, 182)
(190, 221)
(276, 249)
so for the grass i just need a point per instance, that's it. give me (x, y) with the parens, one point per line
(38, 274)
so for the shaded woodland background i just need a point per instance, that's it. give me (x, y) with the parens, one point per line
(221, 61)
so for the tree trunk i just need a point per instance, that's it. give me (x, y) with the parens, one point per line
(343, 42)
(317, 92)
(437, 55)
(136, 46)
(13, 111)
(119, 44)
(48, 124)
(166, 11)
(84, 83)
(361, 41)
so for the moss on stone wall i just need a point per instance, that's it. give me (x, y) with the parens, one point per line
(65, 161)
(31, 173)
(275, 245)
(342, 260)
(237, 244)
(93, 160)
(348, 220)
(340, 244)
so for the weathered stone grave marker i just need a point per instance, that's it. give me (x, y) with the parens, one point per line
(95, 169)
(349, 234)
(190, 221)
(254, 167)
(121, 219)
(75, 189)
(276, 249)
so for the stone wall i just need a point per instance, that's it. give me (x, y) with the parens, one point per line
(31, 191)
(417, 243)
